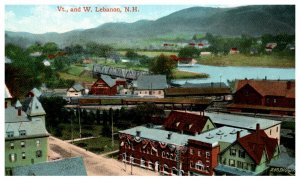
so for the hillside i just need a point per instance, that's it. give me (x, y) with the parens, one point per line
(250, 20)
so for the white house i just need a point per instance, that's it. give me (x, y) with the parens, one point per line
(150, 86)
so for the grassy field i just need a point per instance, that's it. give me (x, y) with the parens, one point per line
(99, 145)
(244, 60)
(187, 75)
(75, 69)
(151, 53)
(76, 78)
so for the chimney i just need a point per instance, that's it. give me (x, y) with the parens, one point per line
(138, 133)
(5, 104)
(237, 135)
(265, 77)
(19, 111)
(257, 126)
(288, 85)
(212, 84)
(169, 135)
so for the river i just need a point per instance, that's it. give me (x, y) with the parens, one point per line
(224, 73)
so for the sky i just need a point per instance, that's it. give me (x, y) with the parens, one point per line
(46, 18)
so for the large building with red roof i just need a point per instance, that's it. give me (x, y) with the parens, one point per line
(264, 96)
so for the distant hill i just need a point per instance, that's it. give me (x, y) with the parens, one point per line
(250, 20)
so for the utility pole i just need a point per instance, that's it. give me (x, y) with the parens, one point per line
(112, 130)
(79, 121)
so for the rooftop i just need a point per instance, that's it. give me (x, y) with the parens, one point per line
(240, 121)
(110, 82)
(64, 167)
(186, 122)
(279, 87)
(78, 87)
(161, 135)
(35, 108)
(7, 93)
(152, 82)
(197, 91)
(204, 85)
(15, 123)
(36, 92)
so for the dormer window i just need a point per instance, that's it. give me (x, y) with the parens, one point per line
(10, 134)
(177, 124)
(190, 126)
(22, 132)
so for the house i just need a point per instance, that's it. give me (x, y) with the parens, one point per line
(76, 90)
(105, 85)
(188, 123)
(208, 91)
(270, 46)
(264, 96)
(205, 148)
(7, 60)
(46, 63)
(150, 85)
(249, 155)
(36, 54)
(234, 50)
(63, 167)
(205, 53)
(26, 137)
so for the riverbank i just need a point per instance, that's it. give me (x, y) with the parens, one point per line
(269, 61)
(178, 74)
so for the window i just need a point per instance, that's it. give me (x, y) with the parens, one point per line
(22, 144)
(207, 127)
(23, 155)
(277, 129)
(207, 154)
(274, 100)
(38, 143)
(268, 100)
(224, 161)
(231, 162)
(240, 164)
(246, 93)
(242, 154)
(199, 165)
(22, 132)
(12, 146)
(191, 151)
(199, 153)
(38, 153)
(159, 92)
(163, 154)
(232, 152)
(245, 166)
(270, 131)
(13, 157)
(10, 134)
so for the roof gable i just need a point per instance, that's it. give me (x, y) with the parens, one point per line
(186, 122)
(257, 143)
(35, 108)
(7, 93)
(36, 92)
(77, 87)
(108, 80)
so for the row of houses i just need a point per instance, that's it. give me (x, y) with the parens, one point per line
(202, 144)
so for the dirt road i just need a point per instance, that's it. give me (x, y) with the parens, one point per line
(95, 165)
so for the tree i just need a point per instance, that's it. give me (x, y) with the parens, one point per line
(162, 65)
(188, 52)
(130, 54)
(144, 112)
(99, 50)
(50, 48)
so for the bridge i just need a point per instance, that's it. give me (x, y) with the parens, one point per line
(117, 72)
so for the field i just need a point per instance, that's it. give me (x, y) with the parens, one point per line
(76, 78)
(244, 60)
(99, 144)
